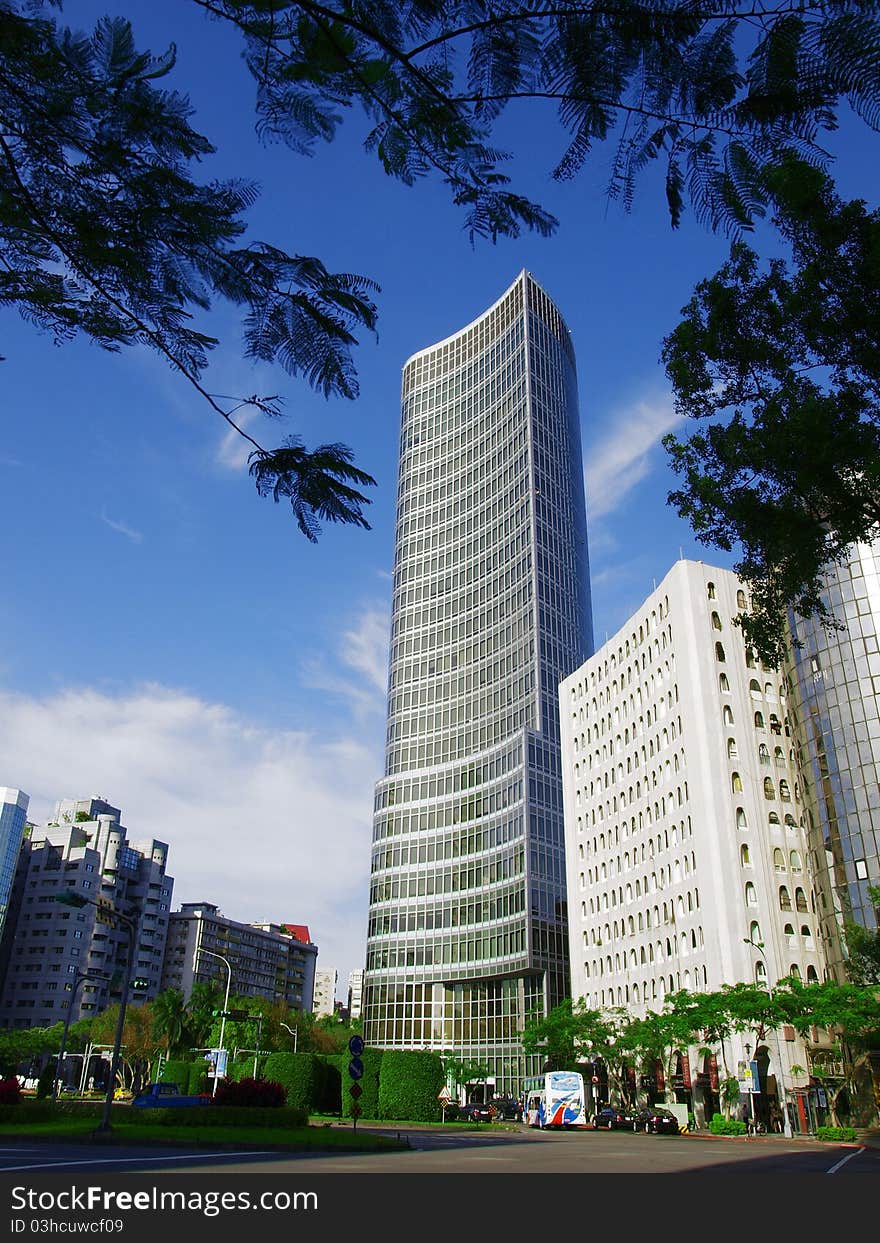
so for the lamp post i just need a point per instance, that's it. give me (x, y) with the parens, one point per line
(294, 1031)
(212, 954)
(69, 897)
(78, 979)
(786, 1121)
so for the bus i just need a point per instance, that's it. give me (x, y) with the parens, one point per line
(555, 1098)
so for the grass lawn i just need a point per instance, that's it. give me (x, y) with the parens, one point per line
(299, 1139)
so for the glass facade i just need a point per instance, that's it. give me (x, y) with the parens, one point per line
(467, 925)
(13, 815)
(834, 702)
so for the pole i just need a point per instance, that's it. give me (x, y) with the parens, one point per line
(78, 979)
(780, 1082)
(104, 1126)
(259, 1041)
(212, 954)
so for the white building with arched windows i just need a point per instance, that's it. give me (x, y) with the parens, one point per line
(684, 830)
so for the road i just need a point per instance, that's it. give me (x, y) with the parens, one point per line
(457, 1152)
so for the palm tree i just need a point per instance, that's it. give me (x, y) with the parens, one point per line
(171, 1020)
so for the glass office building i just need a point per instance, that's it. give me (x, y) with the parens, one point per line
(834, 703)
(467, 927)
(13, 817)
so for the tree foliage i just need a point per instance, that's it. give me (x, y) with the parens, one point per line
(782, 363)
(106, 232)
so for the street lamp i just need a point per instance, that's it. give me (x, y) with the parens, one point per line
(211, 954)
(78, 979)
(69, 897)
(786, 1121)
(294, 1031)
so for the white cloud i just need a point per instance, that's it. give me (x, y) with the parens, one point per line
(233, 450)
(268, 824)
(136, 537)
(364, 649)
(616, 464)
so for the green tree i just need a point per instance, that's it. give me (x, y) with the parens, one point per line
(105, 232)
(171, 1022)
(782, 363)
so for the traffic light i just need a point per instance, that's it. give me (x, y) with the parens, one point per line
(239, 1015)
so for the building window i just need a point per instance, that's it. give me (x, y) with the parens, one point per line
(751, 894)
(716, 621)
(784, 899)
(769, 790)
(812, 977)
(800, 900)
(731, 748)
(794, 860)
(760, 972)
(741, 600)
(784, 792)
(710, 590)
(778, 860)
(741, 822)
(724, 684)
(744, 858)
(727, 714)
(788, 931)
(763, 754)
(719, 652)
(755, 932)
(759, 720)
(736, 783)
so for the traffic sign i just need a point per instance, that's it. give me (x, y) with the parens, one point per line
(444, 1096)
(356, 1068)
(355, 1091)
(356, 1046)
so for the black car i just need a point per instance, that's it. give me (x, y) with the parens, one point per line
(475, 1111)
(613, 1118)
(507, 1109)
(656, 1120)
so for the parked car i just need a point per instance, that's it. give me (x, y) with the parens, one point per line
(613, 1118)
(475, 1111)
(657, 1120)
(163, 1095)
(507, 1109)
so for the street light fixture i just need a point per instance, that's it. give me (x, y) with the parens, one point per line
(78, 979)
(70, 897)
(786, 1120)
(294, 1031)
(212, 954)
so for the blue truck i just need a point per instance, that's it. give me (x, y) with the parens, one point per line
(163, 1095)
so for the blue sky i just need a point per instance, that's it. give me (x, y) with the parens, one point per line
(167, 639)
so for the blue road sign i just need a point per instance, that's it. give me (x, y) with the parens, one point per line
(356, 1046)
(356, 1068)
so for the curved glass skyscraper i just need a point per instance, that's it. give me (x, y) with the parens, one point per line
(467, 928)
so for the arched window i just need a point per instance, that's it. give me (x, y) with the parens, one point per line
(759, 720)
(784, 792)
(800, 900)
(716, 621)
(812, 977)
(760, 972)
(719, 652)
(794, 861)
(731, 748)
(778, 756)
(790, 821)
(724, 684)
(755, 933)
(751, 894)
(807, 935)
(788, 930)
(710, 590)
(755, 689)
(763, 754)
(750, 659)
(778, 860)
(741, 600)
(736, 783)
(741, 822)
(769, 791)
(784, 899)
(744, 858)
(727, 714)
(794, 971)
(773, 818)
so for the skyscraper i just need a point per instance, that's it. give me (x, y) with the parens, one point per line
(467, 924)
(834, 694)
(13, 815)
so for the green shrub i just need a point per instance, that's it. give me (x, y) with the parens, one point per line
(176, 1072)
(197, 1082)
(838, 1134)
(215, 1115)
(46, 1081)
(303, 1076)
(409, 1083)
(243, 1068)
(727, 1126)
(369, 1098)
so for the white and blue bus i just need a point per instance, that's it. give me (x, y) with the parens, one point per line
(555, 1098)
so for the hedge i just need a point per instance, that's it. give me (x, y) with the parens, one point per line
(409, 1084)
(302, 1074)
(727, 1126)
(176, 1072)
(369, 1099)
(190, 1115)
(840, 1134)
